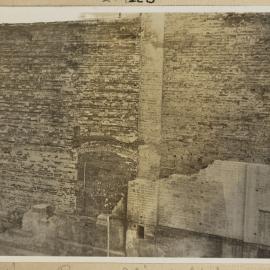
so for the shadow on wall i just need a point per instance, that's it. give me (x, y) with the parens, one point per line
(104, 170)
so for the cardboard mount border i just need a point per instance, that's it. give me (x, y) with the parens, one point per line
(9, 263)
(134, 2)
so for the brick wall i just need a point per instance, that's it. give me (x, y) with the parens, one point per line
(217, 195)
(102, 181)
(61, 84)
(216, 95)
(228, 199)
(142, 202)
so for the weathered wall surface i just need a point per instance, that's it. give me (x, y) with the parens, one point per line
(103, 180)
(215, 90)
(78, 98)
(214, 106)
(149, 124)
(60, 85)
(180, 243)
(227, 199)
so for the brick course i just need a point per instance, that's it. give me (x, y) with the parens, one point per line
(60, 84)
(215, 90)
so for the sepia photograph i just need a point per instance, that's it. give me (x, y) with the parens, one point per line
(136, 135)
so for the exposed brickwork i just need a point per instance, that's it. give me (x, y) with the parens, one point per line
(151, 95)
(60, 84)
(228, 200)
(72, 94)
(142, 202)
(217, 195)
(102, 181)
(216, 97)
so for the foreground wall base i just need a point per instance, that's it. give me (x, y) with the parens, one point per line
(222, 211)
(169, 242)
(47, 233)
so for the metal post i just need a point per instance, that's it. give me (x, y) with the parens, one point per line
(108, 235)
(84, 165)
(84, 195)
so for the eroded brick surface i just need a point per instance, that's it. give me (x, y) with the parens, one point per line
(215, 90)
(60, 84)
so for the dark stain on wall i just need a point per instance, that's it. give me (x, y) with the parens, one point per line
(102, 181)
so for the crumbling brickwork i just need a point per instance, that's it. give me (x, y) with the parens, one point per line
(82, 103)
(102, 181)
(215, 90)
(228, 200)
(60, 85)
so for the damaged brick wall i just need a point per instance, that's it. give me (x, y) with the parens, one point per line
(229, 202)
(60, 84)
(103, 177)
(216, 95)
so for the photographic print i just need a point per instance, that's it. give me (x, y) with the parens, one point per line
(138, 135)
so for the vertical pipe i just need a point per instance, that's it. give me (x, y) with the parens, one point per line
(84, 195)
(108, 235)
(84, 165)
